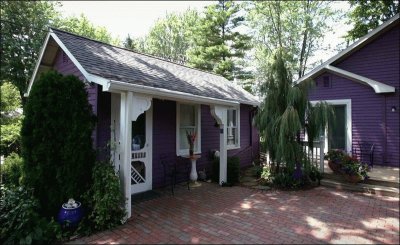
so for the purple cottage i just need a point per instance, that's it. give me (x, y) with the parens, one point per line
(145, 105)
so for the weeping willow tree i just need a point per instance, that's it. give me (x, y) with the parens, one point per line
(286, 112)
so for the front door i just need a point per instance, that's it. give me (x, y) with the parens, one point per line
(141, 160)
(141, 146)
(337, 134)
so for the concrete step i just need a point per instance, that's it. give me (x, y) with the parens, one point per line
(369, 181)
(365, 188)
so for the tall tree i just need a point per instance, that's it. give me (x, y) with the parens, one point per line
(217, 40)
(10, 119)
(297, 27)
(82, 26)
(23, 29)
(286, 111)
(367, 15)
(169, 38)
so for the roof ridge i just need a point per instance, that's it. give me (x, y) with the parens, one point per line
(136, 52)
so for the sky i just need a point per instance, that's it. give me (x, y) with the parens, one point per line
(127, 17)
(136, 18)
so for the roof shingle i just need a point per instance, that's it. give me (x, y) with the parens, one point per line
(126, 66)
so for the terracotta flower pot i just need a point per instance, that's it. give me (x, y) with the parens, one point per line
(335, 167)
(353, 178)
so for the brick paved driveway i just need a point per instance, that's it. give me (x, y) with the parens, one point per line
(213, 214)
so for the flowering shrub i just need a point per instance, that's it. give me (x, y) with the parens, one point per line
(349, 165)
(335, 155)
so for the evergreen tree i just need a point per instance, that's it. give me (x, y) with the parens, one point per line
(286, 111)
(56, 141)
(217, 42)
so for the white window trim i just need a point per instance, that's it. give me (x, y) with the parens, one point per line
(180, 152)
(237, 146)
(349, 126)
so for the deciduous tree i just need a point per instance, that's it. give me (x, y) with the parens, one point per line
(368, 15)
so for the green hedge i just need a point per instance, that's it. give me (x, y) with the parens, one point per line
(57, 141)
(233, 170)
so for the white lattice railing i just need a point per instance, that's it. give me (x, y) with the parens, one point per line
(316, 153)
(136, 177)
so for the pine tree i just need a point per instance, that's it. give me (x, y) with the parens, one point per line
(217, 41)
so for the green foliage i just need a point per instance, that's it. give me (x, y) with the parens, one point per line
(284, 113)
(11, 170)
(233, 170)
(296, 26)
(23, 29)
(104, 199)
(169, 38)
(83, 27)
(368, 15)
(56, 141)
(20, 222)
(217, 43)
(10, 119)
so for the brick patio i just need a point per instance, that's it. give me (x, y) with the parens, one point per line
(213, 214)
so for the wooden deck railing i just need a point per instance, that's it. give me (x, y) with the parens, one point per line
(315, 155)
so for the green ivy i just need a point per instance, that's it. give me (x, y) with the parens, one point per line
(104, 199)
(20, 222)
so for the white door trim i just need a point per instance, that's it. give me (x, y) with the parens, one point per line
(148, 159)
(349, 126)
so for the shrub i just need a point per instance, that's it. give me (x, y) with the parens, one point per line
(233, 170)
(104, 199)
(11, 170)
(20, 222)
(56, 141)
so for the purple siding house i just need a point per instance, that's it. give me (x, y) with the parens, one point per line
(145, 105)
(362, 83)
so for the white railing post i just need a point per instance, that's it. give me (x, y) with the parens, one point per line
(321, 153)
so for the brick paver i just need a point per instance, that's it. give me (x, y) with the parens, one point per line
(237, 215)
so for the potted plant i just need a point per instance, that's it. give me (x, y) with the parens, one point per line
(191, 137)
(335, 159)
(353, 170)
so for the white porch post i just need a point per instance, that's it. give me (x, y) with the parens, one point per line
(220, 114)
(125, 137)
(321, 153)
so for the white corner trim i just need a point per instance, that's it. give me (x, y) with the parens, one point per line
(349, 121)
(37, 64)
(349, 49)
(377, 86)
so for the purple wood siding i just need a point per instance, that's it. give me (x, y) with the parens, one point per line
(164, 137)
(100, 101)
(372, 119)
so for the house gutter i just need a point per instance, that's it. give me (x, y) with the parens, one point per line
(169, 94)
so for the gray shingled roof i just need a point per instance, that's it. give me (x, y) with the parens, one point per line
(123, 65)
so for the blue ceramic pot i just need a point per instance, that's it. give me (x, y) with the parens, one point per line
(70, 217)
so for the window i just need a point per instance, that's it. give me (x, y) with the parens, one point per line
(233, 126)
(188, 119)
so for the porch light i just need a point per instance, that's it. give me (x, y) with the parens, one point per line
(393, 108)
